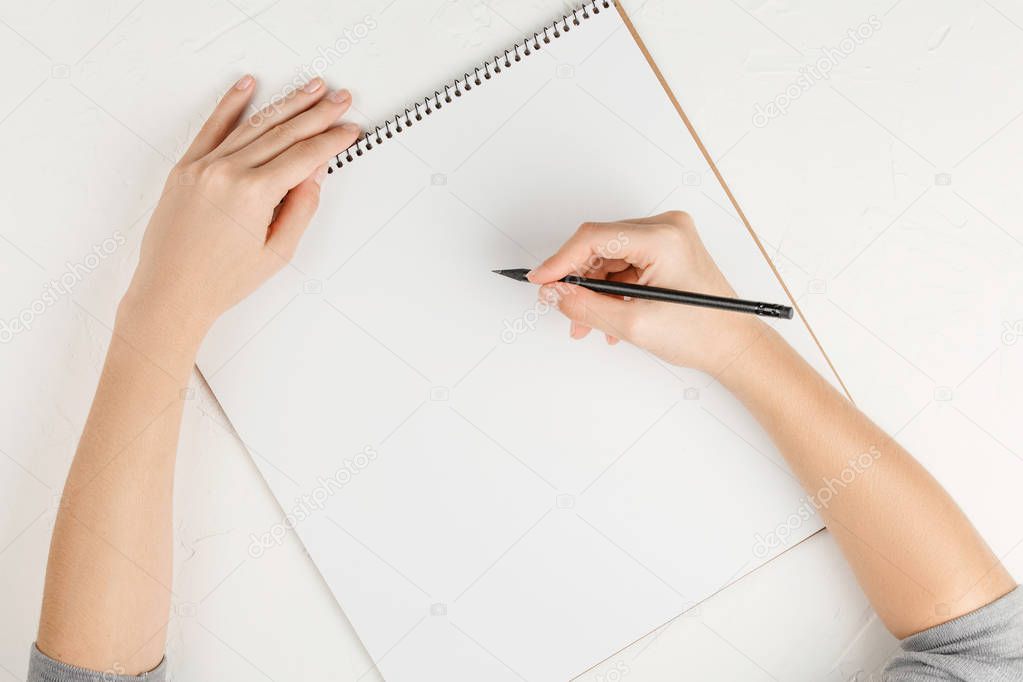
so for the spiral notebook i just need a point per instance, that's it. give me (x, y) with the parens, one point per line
(486, 499)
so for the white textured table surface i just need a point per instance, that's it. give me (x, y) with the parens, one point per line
(887, 192)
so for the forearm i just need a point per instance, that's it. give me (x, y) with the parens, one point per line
(919, 559)
(107, 592)
(232, 213)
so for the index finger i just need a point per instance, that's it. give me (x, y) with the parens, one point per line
(592, 246)
(298, 162)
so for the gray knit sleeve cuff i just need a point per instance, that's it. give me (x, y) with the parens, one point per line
(986, 644)
(42, 668)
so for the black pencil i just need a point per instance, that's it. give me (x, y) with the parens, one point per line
(603, 286)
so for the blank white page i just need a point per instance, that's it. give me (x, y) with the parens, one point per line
(530, 505)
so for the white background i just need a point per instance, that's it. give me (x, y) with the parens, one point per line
(887, 194)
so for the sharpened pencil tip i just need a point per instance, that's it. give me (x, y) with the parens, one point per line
(518, 274)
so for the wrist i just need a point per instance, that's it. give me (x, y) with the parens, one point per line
(757, 350)
(164, 333)
(180, 315)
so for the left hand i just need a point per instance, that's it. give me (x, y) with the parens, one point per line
(236, 205)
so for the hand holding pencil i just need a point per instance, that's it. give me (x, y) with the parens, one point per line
(662, 251)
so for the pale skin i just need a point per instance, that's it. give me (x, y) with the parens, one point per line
(916, 555)
(232, 214)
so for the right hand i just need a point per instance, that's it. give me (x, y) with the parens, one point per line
(663, 251)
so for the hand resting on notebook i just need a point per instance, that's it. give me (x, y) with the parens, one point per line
(235, 206)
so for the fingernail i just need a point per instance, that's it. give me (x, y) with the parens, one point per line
(352, 128)
(244, 82)
(339, 96)
(313, 85)
(529, 275)
(321, 173)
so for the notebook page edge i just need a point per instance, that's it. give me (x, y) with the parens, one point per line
(724, 186)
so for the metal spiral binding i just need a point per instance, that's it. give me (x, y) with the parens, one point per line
(488, 70)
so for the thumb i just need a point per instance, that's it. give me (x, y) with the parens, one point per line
(609, 314)
(293, 217)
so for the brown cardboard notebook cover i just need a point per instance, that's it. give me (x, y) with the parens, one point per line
(724, 185)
